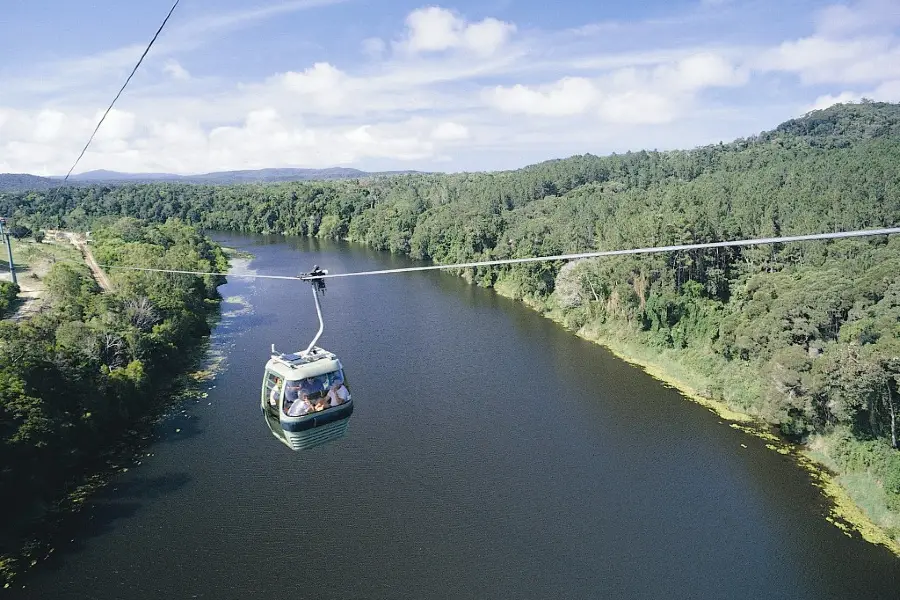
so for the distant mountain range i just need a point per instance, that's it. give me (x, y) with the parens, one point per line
(19, 182)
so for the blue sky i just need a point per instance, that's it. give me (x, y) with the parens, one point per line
(242, 84)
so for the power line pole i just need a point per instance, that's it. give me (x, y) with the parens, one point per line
(12, 266)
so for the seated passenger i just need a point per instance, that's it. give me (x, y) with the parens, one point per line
(300, 407)
(275, 393)
(291, 392)
(321, 403)
(338, 394)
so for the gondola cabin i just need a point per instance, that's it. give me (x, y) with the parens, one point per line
(305, 400)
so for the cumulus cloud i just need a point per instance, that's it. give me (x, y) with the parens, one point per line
(568, 96)
(829, 100)
(450, 131)
(447, 83)
(864, 16)
(852, 44)
(821, 60)
(637, 108)
(888, 91)
(323, 85)
(42, 142)
(174, 69)
(118, 125)
(435, 29)
(700, 71)
(47, 125)
(629, 95)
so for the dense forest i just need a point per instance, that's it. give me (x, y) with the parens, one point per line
(805, 336)
(76, 376)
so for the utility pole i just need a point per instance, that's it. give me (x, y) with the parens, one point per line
(12, 266)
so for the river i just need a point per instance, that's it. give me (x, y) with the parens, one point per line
(491, 454)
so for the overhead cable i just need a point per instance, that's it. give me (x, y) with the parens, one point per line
(122, 89)
(596, 254)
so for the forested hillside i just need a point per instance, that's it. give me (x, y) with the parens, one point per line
(76, 377)
(806, 336)
(13, 182)
(21, 181)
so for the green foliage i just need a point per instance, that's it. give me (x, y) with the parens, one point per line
(8, 293)
(73, 378)
(869, 456)
(19, 231)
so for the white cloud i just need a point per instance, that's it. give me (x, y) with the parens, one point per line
(322, 86)
(476, 93)
(118, 125)
(568, 96)
(829, 100)
(42, 142)
(450, 131)
(87, 71)
(176, 71)
(47, 125)
(888, 91)
(700, 71)
(487, 36)
(434, 29)
(629, 95)
(852, 44)
(637, 108)
(821, 60)
(864, 16)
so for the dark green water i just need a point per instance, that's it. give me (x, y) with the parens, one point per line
(491, 454)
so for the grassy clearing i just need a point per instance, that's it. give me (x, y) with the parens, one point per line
(33, 261)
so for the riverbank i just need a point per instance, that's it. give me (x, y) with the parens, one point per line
(155, 359)
(857, 506)
(201, 367)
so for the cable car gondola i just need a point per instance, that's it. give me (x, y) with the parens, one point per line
(305, 401)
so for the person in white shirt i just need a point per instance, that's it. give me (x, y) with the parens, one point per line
(338, 394)
(300, 407)
(276, 393)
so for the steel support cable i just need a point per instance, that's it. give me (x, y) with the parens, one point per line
(597, 254)
(122, 89)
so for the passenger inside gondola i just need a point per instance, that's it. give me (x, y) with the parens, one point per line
(291, 392)
(275, 393)
(300, 406)
(314, 394)
(338, 394)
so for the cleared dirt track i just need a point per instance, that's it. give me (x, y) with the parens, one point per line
(79, 241)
